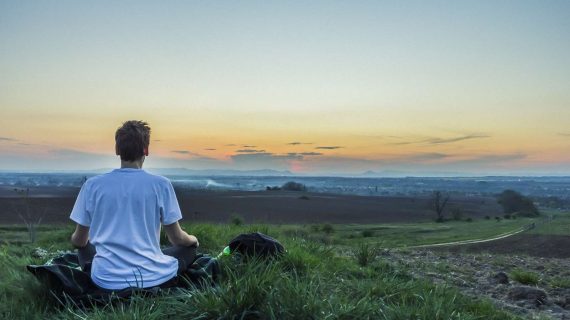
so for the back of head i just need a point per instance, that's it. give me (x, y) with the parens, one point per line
(132, 140)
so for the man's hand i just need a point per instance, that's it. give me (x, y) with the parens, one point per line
(179, 237)
(80, 236)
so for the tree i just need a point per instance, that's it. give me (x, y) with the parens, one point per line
(29, 216)
(514, 202)
(439, 201)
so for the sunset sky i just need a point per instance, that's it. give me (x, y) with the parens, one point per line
(314, 87)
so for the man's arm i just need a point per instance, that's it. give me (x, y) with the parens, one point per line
(179, 237)
(80, 236)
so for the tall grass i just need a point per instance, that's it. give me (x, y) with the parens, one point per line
(311, 281)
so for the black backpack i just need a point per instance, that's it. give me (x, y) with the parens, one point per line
(256, 244)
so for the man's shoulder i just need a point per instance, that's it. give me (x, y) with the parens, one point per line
(157, 178)
(142, 177)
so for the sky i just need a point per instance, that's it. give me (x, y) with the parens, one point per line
(313, 87)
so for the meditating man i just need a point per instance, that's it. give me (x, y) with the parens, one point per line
(119, 215)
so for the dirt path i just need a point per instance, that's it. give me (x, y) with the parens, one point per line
(453, 243)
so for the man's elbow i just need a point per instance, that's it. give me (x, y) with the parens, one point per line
(78, 242)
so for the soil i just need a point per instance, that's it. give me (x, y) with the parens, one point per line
(259, 206)
(536, 245)
(483, 276)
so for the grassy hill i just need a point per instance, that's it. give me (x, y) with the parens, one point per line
(324, 275)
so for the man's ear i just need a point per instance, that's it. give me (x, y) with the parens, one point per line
(117, 150)
(146, 152)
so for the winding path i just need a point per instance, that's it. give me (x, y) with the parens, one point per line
(501, 236)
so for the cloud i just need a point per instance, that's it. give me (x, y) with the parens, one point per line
(230, 145)
(156, 140)
(264, 160)
(248, 146)
(305, 154)
(564, 134)
(71, 153)
(296, 143)
(493, 158)
(423, 157)
(328, 147)
(186, 152)
(436, 140)
(456, 139)
(209, 149)
(7, 139)
(250, 151)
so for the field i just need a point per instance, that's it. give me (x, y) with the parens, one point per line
(329, 272)
(332, 270)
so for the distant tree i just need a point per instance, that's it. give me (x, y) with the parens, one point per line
(31, 218)
(515, 203)
(294, 186)
(456, 213)
(439, 201)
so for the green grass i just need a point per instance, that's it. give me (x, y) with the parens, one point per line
(312, 280)
(558, 225)
(412, 234)
(525, 277)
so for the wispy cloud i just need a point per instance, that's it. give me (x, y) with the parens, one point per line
(249, 151)
(210, 149)
(564, 134)
(328, 147)
(304, 154)
(456, 139)
(296, 143)
(437, 140)
(248, 146)
(493, 158)
(7, 139)
(186, 152)
(230, 145)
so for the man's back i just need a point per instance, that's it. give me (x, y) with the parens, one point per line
(124, 210)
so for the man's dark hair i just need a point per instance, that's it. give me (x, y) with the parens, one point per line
(132, 138)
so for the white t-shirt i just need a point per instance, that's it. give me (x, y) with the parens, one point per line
(124, 210)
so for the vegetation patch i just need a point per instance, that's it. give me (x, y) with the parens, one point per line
(525, 277)
(311, 281)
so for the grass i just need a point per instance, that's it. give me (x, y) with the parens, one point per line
(312, 280)
(525, 277)
(559, 224)
(412, 234)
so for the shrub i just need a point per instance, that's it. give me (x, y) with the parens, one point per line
(560, 282)
(456, 213)
(367, 233)
(327, 228)
(507, 216)
(498, 219)
(236, 219)
(304, 198)
(487, 218)
(365, 254)
(525, 277)
(294, 186)
(469, 219)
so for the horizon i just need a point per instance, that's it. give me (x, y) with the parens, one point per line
(325, 89)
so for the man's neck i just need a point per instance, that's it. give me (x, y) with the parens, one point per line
(137, 164)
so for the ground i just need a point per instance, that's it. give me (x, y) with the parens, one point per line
(334, 271)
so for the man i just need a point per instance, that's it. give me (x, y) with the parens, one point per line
(119, 215)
